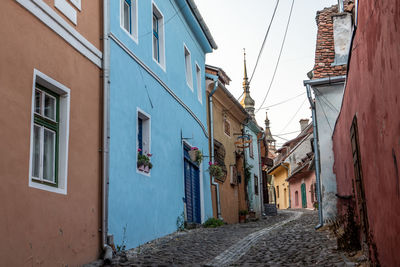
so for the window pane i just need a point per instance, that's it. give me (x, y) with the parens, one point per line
(127, 16)
(49, 155)
(36, 152)
(155, 24)
(37, 101)
(49, 107)
(155, 48)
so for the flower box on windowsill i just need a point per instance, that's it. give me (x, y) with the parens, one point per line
(141, 168)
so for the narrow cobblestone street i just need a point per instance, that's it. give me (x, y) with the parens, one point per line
(288, 239)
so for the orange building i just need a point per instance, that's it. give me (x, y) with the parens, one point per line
(227, 118)
(50, 134)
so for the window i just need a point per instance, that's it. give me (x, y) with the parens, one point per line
(49, 135)
(158, 36)
(45, 136)
(256, 184)
(129, 17)
(188, 68)
(251, 150)
(277, 191)
(233, 175)
(296, 198)
(227, 126)
(198, 79)
(143, 133)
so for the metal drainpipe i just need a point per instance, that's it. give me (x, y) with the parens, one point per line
(340, 6)
(316, 154)
(106, 127)
(210, 101)
(260, 174)
(290, 204)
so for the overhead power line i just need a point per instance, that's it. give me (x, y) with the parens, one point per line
(279, 57)
(294, 116)
(283, 102)
(263, 43)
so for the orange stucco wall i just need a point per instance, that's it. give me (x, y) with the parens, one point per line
(232, 197)
(40, 228)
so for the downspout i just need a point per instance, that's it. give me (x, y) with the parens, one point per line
(316, 154)
(210, 104)
(106, 132)
(283, 165)
(260, 174)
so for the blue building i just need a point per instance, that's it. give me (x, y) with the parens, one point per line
(157, 112)
(252, 154)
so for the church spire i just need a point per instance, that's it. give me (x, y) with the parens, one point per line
(268, 135)
(247, 102)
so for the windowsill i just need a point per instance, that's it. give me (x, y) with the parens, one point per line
(133, 37)
(43, 186)
(159, 64)
(148, 174)
(190, 87)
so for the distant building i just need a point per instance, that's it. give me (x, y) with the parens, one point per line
(252, 157)
(327, 83)
(227, 119)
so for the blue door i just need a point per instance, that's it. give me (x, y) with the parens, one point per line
(192, 190)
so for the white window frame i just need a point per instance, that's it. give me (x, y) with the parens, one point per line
(225, 119)
(64, 110)
(199, 83)
(133, 21)
(68, 10)
(161, 36)
(146, 132)
(77, 4)
(188, 67)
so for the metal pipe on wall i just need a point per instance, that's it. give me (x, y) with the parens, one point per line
(316, 155)
(106, 123)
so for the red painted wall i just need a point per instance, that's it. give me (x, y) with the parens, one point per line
(372, 94)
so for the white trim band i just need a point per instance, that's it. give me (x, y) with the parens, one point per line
(55, 22)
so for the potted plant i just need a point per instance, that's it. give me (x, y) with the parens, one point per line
(242, 216)
(195, 155)
(215, 170)
(143, 162)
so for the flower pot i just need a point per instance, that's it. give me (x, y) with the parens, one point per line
(141, 168)
(146, 169)
(193, 155)
(242, 218)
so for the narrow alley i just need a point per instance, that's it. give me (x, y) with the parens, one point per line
(287, 239)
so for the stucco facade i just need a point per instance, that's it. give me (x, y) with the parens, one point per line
(279, 175)
(228, 118)
(157, 106)
(55, 223)
(371, 105)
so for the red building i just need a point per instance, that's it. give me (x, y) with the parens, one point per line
(366, 139)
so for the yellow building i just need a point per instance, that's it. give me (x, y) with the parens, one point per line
(280, 173)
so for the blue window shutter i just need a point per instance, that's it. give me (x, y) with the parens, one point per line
(140, 134)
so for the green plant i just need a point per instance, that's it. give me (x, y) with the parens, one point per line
(144, 159)
(199, 157)
(215, 170)
(213, 222)
(247, 172)
(196, 155)
(180, 222)
(243, 212)
(123, 244)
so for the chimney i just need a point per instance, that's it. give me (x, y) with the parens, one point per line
(303, 124)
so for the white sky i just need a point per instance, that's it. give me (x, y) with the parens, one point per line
(238, 24)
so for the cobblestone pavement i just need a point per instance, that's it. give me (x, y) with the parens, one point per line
(288, 239)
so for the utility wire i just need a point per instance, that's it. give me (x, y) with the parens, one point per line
(286, 133)
(263, 43)
(280, 53)
(283, 102)
(294, 115)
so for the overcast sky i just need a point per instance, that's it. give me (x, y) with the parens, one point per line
(238, 24)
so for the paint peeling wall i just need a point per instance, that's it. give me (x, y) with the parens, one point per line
(372, 95)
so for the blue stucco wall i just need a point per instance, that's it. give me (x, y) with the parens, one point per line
(142, 208)
(254, 161)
